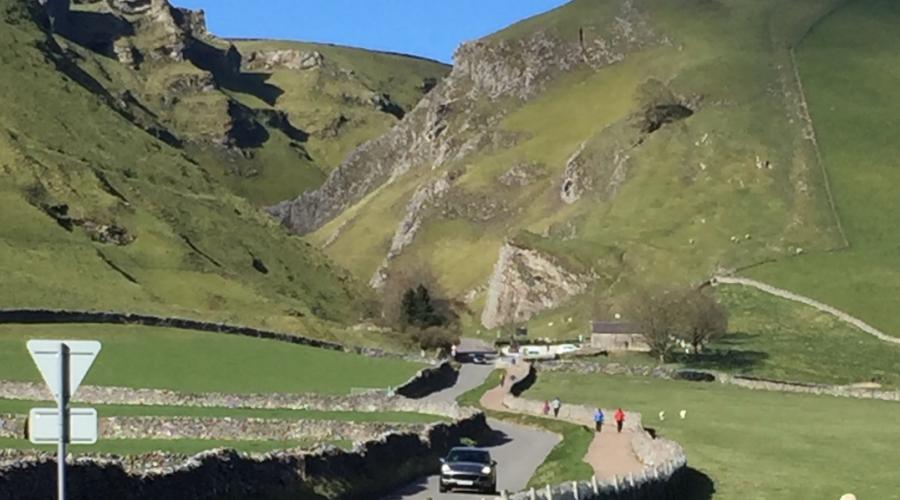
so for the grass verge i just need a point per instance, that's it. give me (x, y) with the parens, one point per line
(565, 462)
(757, 444)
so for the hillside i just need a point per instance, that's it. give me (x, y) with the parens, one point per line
(103, 210)
(572, 157)
(856, 113)
(266, 118)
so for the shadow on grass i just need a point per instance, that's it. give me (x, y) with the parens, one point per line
(696, 485)
(727, 354)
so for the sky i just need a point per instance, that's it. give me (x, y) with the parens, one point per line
(427, 28)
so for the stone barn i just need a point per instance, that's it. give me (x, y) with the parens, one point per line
(617, 336)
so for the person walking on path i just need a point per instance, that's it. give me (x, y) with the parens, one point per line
(546, 408)
(620, 419)
(555, 404)
(598, 419)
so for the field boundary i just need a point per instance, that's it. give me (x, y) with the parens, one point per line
(785, 294)
(58, 316)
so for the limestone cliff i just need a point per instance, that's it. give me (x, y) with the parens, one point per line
(524, 283)
(461, 115)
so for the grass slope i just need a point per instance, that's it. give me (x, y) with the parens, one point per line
(756, 444)
(195, 241)
(855, 111)
(693, 199)
(143, 357)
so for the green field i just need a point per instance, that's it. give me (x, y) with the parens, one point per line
(183, 446)
(856, 110)
(797, 343)
(757, 444)
(160, 358)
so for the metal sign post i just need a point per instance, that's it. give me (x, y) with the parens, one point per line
(63, 365)
(63, 403)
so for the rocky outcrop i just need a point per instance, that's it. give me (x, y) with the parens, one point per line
(599, 164)
(522, 174)
(268, 60)
(409, 226)
(524, 283)
(453, 120)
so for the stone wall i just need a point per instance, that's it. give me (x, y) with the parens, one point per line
(226, 475)
(228, 428)
(667, 372)
(373, 401)
(843, 391)
(50, 316)
(430, 380)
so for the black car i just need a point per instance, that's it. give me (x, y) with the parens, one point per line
(470, 469)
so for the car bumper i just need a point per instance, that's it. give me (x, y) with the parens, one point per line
(463, 481)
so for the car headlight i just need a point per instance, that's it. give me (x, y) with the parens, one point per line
(486, 469)
(445, 469)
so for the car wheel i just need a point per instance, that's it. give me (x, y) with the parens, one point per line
(442, 488)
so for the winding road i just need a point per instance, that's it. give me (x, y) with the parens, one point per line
(518, 450)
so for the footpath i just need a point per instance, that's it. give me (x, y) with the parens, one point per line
(610, 453)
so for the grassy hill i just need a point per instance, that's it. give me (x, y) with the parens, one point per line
(99, 214)
(632, 143)
(856, 115)
(136, 148)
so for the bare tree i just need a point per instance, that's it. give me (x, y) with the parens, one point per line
(704, 320)
(658, 314)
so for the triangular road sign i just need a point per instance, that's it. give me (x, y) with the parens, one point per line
(46, 356)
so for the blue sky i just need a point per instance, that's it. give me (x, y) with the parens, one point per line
(428, 28)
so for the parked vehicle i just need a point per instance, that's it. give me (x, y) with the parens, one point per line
(470, 469)
(566, 348)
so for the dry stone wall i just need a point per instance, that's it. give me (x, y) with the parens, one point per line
(227, 429)
(756, 383)
(364, 402)
(224, 474)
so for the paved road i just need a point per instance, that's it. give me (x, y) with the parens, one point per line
(518, 450)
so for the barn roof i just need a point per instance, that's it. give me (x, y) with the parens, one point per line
(613, 327)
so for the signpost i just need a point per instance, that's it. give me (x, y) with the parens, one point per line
(63, 365)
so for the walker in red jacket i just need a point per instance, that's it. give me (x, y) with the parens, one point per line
(620, 419)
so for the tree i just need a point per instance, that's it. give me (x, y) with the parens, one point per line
(704, 320)
(657, 314)
(435, 338)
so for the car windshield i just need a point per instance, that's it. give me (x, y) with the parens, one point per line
(476, 456)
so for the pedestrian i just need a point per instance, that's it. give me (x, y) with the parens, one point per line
(598, 419)
(546, 407)
(502, 378)
(620, 419)
(555, 404)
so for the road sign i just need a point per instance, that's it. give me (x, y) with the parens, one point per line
(81, 356)
(43, 426)
(63, 364)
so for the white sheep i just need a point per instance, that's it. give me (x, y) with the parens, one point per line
(662, 415)
(682, 414)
